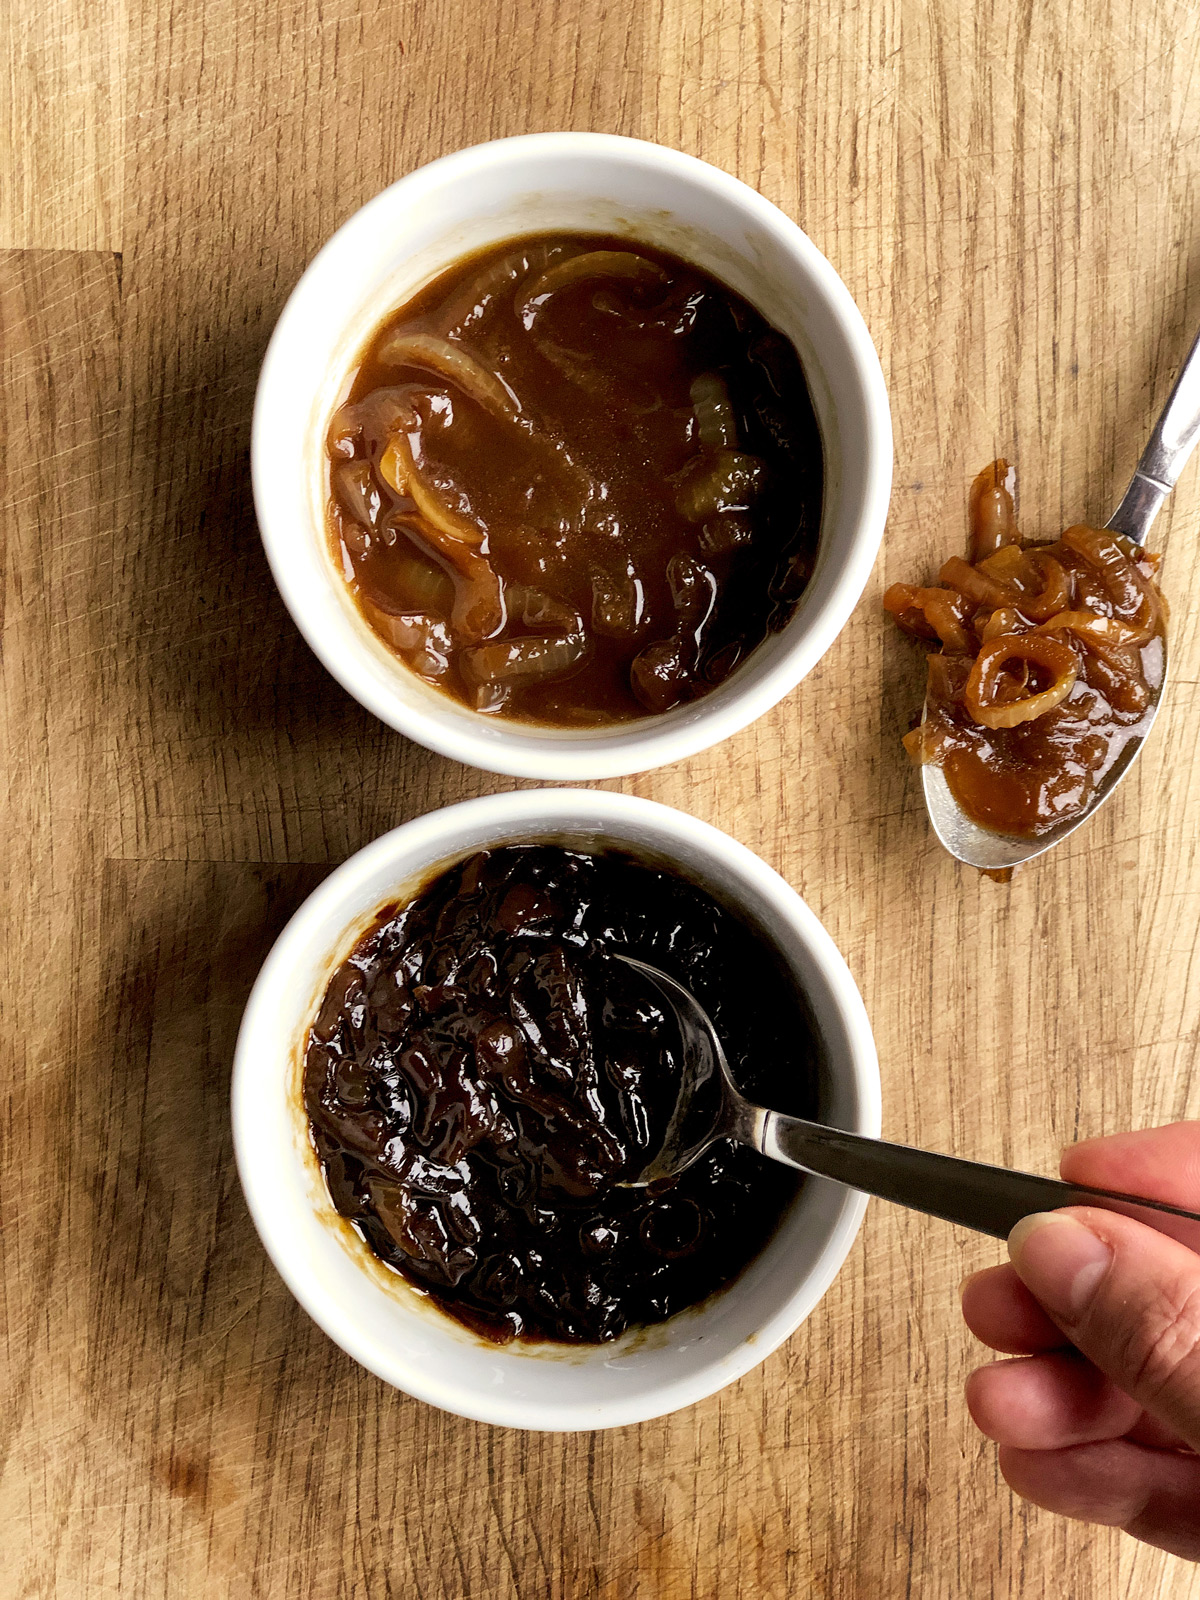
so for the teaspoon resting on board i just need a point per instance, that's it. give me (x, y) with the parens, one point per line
(1174, 436)
(989, 1199)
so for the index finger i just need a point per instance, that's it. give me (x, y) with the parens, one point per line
(1159, 1163)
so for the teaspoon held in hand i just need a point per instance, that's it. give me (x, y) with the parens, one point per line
(1172, 441)
(989, 1199)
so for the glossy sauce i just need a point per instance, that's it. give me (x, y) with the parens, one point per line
(1051, 658)
(482, 1074)
(576, 481)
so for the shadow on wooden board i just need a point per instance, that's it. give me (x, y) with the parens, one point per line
(236, 743)
(184, 1301)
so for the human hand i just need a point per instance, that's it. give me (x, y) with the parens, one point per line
(1100, 1419)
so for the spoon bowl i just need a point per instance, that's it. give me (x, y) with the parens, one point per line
(1001, 852)
(708, 1105)
(1175, 434)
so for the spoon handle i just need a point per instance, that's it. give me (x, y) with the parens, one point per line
(1175, 434)
(989, 1199)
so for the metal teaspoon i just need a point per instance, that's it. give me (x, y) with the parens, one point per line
(989, 1199)
(1172, 441)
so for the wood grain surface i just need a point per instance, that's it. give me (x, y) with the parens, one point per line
(1010, 193)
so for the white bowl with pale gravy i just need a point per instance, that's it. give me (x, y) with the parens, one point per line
(580, 182)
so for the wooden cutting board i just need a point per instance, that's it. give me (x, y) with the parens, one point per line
(1010, 195)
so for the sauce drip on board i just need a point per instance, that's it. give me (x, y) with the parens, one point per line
(1051, 656)
(575, 481)
(482, 1074)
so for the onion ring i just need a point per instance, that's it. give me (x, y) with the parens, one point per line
(1035, 650)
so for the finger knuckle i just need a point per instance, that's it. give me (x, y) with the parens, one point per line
(1163, 1337)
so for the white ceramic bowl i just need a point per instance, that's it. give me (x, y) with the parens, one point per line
(398, 1333)
(576, 181)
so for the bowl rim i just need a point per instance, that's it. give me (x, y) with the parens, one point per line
(275, 1010)
(522, 749)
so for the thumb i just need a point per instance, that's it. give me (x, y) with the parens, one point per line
(1127, 1297)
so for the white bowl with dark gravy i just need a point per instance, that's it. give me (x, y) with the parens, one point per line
(304, 1113)
(524, 492)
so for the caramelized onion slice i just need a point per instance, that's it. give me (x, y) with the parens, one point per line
(476, 298)
(422, 640)
(618, 604)
(1092, 628)
(1100, 547)
(726, 480)
(694, 592)
(1055, 593)
(430, 353)
(931, 614)
(693, 589)
(1119, 677)
(537, 609)
(943, 611)
(993, 516)
(1039, 584)
(581, 269)
(358, 492)
(1009, 565)
(976, 585)
(658, 674)
(1126, 585)
(503, 663)
(923, 745)
(716, 420)
(399, 471)
(375, 415)
(415, 582)
(984, 694)
(1113, 664)
(1001, 621)
(903, 601)
(722, 535)
(478, 611)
